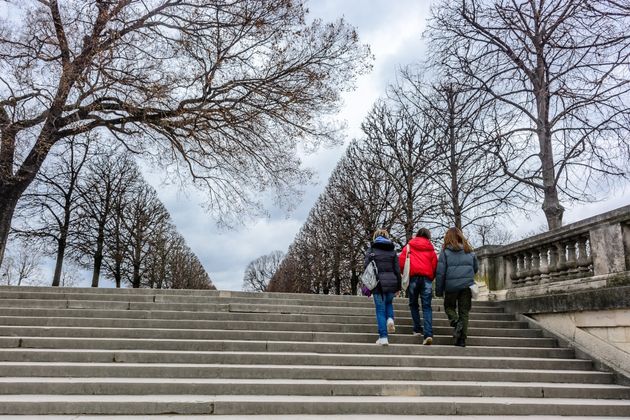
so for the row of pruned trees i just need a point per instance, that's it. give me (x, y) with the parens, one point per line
(90, 204)
(518, 103)
(416, 165)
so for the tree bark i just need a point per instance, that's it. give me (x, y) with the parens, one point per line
(454, 170)
(551, 203)
(7, 208)
(98, 256)
(117, 273)
(61, 250)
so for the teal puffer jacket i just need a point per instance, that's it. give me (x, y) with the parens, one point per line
(456, 270)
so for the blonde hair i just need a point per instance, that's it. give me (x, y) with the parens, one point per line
(380, 232)
(455, 239)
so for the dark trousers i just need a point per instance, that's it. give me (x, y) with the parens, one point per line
(462, 301)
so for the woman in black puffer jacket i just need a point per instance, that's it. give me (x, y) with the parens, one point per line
(383, 253)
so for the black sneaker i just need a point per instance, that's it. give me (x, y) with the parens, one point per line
(460, 342)
(457, 331)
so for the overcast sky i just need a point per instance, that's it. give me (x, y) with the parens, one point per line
(393, 30)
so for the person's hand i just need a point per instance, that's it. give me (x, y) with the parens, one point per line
(397, 294)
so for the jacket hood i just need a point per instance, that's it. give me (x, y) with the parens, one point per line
(421, 244)
(383, 243)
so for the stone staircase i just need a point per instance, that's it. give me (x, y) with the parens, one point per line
(148, 352)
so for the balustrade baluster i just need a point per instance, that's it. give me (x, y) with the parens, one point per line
(535, 270)
(544, 265)
(572, 259)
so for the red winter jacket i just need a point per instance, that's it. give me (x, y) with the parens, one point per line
(423, 258)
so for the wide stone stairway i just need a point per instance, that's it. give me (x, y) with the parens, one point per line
(143, 352)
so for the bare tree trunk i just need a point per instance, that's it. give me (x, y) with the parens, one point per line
(551, 203)
(457, 210)
(117, 274)
(136, 265)
(409, 212)
(354, 281)
(7, 207)
(98, 256)
(62, 243)
(61, 250)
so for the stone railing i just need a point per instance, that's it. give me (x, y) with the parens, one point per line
(590, 253)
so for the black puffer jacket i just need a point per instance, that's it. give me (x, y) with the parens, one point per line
(387, 264)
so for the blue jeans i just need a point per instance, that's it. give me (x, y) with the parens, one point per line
(384, 309)
(421, 287)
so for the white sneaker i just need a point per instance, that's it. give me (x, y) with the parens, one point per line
(383, 341)
(428, 341)
(391, 328)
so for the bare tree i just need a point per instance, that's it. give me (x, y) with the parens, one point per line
(116, 239)
(260, 271)
(185, 271)
(49, 208)
(109, 177)
(22, 264)
(560, 72)
(145, 216)
(467, 182)
(223, 89)
(398, 144)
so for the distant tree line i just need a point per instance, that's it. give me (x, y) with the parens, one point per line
(517, 103)
(91, 205)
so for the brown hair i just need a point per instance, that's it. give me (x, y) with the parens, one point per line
(455, 239)
(424, 233)
(380, 232)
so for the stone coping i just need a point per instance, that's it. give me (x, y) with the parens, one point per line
(621, 214)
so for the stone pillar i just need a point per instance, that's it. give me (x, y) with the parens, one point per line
(488, 267)
(625, 229)
(607, 249)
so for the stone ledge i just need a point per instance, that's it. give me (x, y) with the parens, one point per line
(562, 301)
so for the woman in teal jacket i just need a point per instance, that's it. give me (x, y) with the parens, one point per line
(457, 266)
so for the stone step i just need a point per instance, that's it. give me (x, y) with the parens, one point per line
(209, 334)
(247, 325)
(342, 299)
(287, 404)
(231, 307)
(279, 346)
(157, 386)
(399, 303)
(287, 358)
(247, 371)
(149, 352)
(186, 316)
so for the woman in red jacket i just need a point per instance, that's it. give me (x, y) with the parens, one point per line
(423, 264)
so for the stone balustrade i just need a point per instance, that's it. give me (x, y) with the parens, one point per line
(594, 252)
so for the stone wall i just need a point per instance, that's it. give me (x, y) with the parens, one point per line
(604, 334)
